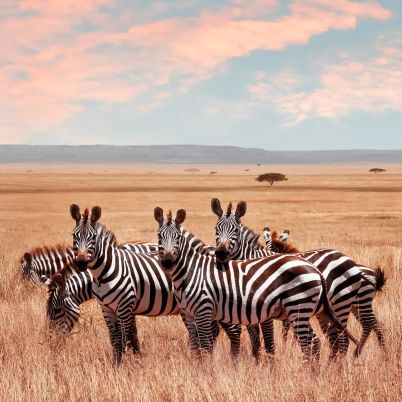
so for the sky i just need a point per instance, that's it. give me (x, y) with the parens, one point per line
(280, 75)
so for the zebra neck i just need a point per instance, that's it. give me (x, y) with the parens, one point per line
(195, 243)
(189, 261)
(105, 254)
(248, 243)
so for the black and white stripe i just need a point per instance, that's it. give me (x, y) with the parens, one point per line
(125, 283)
(242, 292)
(372, 281)
(66, 295)
(343, 278)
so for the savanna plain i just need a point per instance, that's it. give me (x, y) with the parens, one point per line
(344, 208)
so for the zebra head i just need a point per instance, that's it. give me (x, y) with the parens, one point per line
(169, 236)
(62, 311)
(227, 229)
(284, 235)
(268, 238)
(85, 234)
(28, 269)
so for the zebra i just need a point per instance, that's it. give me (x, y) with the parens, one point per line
(66, 295)
(46, 260)
(65, 298)
(41, 263)
(124, 283)
(373, 281)
(343, 277)
(244, 292)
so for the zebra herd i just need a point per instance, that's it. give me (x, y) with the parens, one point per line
(237, 282)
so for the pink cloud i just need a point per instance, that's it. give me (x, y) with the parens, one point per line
(373, 85)
(51, 67)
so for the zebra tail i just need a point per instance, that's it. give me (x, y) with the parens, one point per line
(380, 279)
(331, 314)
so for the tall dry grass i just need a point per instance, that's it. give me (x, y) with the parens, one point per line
(358, 214)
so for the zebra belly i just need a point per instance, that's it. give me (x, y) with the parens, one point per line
(113, 296)
(164, 306)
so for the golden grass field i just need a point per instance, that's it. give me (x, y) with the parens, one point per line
(323, 206)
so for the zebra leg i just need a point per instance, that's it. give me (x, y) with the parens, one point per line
(331, 333)
(132, 337)
(192, 333)
(267, 328)
(115, 334)
(254, 333)
(203, 320)
(308, 340)
(340, 340)
(368, 321)
(215, 331)
(285, 329)
(233, 331)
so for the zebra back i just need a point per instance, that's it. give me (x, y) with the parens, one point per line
(44, 261)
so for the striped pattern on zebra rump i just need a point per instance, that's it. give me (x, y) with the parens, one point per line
(362, 308)
(340, 272)
(245, 292)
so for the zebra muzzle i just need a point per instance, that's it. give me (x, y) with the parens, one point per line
(167, 260)
(222, 255)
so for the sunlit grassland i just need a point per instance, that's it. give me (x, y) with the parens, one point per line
(357, 213)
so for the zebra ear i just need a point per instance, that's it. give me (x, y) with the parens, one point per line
(241, 209)
(75, 212)
(158, 215)
(48, 282)
(216, 207)
(267, 234)
(180, 217)
(96, 213)
(28, 258)
(284, 235)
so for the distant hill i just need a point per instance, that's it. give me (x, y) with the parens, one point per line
(197, 154)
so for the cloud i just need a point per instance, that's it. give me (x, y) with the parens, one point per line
(60, 55)
(371, 85)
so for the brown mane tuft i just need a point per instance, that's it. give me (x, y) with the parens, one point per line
(284, 247)
(85, 215)
(169, 216)
(229, 210)
(41, 250)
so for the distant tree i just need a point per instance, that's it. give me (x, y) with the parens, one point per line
(246, 170)
(192, 170)
(377, 170)
(213, 172)
(271, 177)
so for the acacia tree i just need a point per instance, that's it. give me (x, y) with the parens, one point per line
(377, 170)
(271, 177)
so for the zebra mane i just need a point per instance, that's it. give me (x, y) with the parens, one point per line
(169, 216)
(106, 233)
(250, 237)
(46, 250)
(282, 247)
(85, 215)
(196, 243)
(229, 210)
